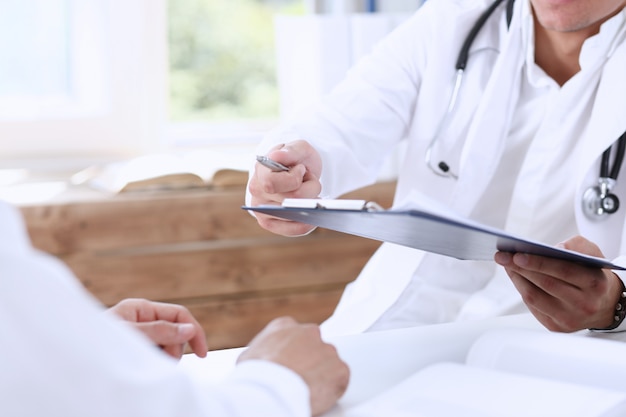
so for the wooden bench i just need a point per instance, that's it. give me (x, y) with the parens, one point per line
(198, 248)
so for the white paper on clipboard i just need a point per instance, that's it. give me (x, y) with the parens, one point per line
(419, 229)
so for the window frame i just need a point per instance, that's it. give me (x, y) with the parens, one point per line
(124, 45)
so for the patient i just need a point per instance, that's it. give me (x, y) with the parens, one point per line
(61, 355)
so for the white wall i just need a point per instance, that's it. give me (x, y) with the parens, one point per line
(315, 52)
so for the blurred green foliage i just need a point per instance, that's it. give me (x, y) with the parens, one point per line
(222, 58)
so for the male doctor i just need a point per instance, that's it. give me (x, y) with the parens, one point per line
(542, 98)
(62, 356)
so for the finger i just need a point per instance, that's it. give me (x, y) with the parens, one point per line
(165, 333)
(280, 323)
(547, 321)
(272, 182)
(275, 326)
(175, 351)
(175, 313)
(298, 152)
(290, 154)
(129, 308)
(305, 164)
(555, 313)
(503, 258)
(266, 185)
(582, 245)
(272, 194)
(553, 274)
(310, 188)
(542, 305)
(159, 322)
(283, 227)
(533, 296)
(173, 336)
(154, 310)
(198, 344)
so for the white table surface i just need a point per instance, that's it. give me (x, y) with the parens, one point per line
(379, 360)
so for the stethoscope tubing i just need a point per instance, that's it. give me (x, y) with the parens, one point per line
(443, 169)
(613, 172)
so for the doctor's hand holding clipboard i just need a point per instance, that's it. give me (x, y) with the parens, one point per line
(566, 296)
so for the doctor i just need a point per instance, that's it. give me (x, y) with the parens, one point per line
(508, 131)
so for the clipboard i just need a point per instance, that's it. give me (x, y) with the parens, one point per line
(427, 231)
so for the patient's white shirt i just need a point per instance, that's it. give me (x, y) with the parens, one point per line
(61, 356)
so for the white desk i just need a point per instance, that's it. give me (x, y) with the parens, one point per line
(379, 360)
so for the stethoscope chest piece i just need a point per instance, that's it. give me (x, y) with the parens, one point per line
(598, 201)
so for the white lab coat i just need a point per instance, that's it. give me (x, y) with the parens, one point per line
(402, 91)
(61, 356)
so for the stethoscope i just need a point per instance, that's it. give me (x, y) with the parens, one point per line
(598, 200)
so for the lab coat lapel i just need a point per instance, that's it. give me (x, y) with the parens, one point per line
(606, 124)
(486, 135)
(608, 118)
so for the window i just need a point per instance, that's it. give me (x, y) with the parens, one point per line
(221, 57)
(222, 69)
(85, 78)
(223, 63)
(103, 79)
(90, 77)
(37, 67)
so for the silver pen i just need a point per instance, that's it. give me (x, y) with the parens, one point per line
(271, 164)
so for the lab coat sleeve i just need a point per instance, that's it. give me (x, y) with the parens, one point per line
(62, 356)
(268, 389)
(360, 122)
(357, 125)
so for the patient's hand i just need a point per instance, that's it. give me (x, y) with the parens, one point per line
(301, 348)
(170, 326)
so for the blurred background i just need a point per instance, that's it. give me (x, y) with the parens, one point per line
(90, 80)
(90, 88)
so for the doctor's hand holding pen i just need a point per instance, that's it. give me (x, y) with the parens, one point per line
(565, 296)
(289, 170)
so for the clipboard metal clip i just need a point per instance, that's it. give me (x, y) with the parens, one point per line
(331, 204)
